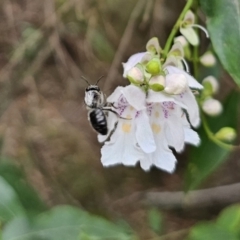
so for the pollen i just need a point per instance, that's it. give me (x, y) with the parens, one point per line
(131, 108)
(156, 128)
(126, 127)
(157, 114)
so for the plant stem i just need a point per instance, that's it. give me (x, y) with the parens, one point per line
(195, 61)
(176, 27)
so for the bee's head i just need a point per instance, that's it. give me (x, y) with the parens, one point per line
(92, 87)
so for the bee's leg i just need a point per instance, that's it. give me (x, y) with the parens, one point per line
(110, 110)
(110, 104)
(195, 92)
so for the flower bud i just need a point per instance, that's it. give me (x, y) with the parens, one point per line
(211, 84)
(177, 50)
(226, 134)
(157, 83)
(182, 40)
(189, 18)
(154, 66)
(212, 107)
(146, 58)
(208, 59)
(132, 62)
(153, 45)
(187, 30)
(175, 84)
(171, 61)
(135, 75)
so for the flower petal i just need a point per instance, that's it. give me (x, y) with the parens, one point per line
(175, 83)
(190, 136)
(162, 158)
(189, 17)
(189, 33)
(177, 50)
(135, 96)
(131, 62)
(158, 97)
(174, 130)
(115, 95)
(144, 133)
(192, 82)
(188, 99)
(122, 147)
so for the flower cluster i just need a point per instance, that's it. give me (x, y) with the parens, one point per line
(153, 112)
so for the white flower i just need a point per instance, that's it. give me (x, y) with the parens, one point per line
(212, 107)
(133, 134)
(177, 52)
(187, 28)
(132, 62)
(152, 125)
(208, 59)
(170, 128)
(174, 117)
(186, 99)
(213, 82)
(163, 157)
(182, 40)
(149, 122)
(153, 45)
(192, 82)
(183, 94)
(135, 75)
(175, 84)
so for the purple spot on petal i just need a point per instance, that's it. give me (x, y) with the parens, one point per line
(137, 114)
(149, 108)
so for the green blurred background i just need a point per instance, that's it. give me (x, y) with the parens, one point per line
(45, 48)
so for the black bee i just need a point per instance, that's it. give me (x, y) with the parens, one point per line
(96, 104)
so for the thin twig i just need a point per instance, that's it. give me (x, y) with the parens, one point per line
(147, 14)
(124, 42)
(36, 36)
(198, 199)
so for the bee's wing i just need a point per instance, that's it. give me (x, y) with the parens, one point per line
(74, 112)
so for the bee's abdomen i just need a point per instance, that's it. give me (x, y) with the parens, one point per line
(98, 121)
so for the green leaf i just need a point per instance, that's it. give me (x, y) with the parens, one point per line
(208, 156)
(229, 219)
(18, 229)
(10, 206)
(26, 194)
(210, 231)
(223, 23)
(61, 223)
(155, 220)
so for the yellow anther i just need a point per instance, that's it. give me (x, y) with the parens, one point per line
(126, 127)
(156, 128)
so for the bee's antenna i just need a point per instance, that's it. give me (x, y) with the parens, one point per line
(85, 80)
(99, 79)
